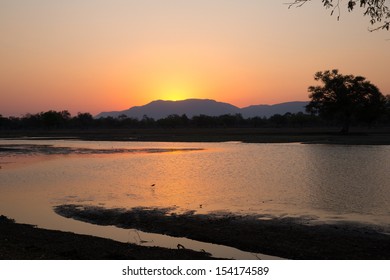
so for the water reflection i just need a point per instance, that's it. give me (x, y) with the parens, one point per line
(349, 179)
(342, 182)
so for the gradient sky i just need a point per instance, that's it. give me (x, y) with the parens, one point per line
(95, 55)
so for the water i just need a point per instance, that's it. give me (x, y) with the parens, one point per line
(324, 182)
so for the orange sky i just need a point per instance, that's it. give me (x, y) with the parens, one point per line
(95, 55)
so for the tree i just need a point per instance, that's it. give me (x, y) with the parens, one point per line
(83, 120)
(345, 98)
(378, 11)
(387, 110)
(54, 119)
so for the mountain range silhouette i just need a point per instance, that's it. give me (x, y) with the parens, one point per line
(192, 107)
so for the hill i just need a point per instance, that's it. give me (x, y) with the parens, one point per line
(270, 110)
(192, 107)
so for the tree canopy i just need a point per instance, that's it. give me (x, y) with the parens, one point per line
(378, 11)
(345, 98)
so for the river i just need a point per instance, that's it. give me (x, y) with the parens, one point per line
(323, 183)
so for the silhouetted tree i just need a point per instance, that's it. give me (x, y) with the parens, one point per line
(83, 120)
(345, 98)
(3, 121)
(277, 120)
(122, 117)
(203, 121)
(257, 121)
(173, 121)
(129, 122)
(300, 120)
(57, 120)
(387, 110)
(229, 120)
(53, 119)
(378, 11)
(32, 121)
(147, 121)
(107, 122)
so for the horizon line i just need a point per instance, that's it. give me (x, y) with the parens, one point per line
(164, 100)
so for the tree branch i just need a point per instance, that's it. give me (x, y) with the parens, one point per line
(377, 10)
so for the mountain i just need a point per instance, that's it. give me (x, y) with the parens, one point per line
(192, 107)
(270, 110)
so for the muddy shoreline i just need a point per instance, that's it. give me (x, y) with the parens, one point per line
(27, 242)
(289, 238)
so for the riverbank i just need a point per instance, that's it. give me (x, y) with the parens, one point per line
(291, 238)
(27, 242)
(358, 136)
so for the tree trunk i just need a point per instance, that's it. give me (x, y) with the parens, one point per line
(345, 128)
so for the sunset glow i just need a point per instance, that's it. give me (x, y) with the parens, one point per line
(150, 133)
(93, 56)
(175, 92)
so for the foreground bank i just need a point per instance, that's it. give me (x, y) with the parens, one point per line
(26, 242)
(291, 238)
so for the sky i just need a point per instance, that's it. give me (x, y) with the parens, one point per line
(95, 55)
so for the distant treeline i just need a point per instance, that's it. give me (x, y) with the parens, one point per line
(64, 120)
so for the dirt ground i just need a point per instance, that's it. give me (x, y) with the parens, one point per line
(26, 242)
